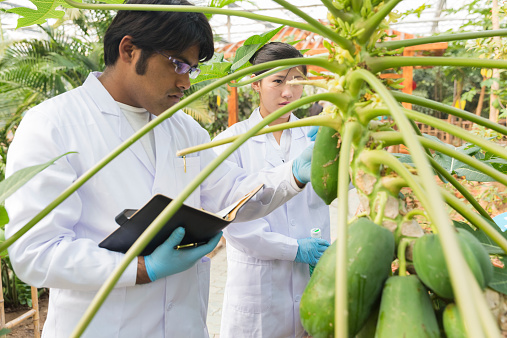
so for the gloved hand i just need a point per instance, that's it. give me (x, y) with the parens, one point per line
(302, 165)
(312, 133)
(310, 250)
(165, 260)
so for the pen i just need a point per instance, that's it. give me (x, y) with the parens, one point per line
(191, 245)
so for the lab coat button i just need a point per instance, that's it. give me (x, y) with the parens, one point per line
(169, 306)
(298, 298)
(293, 222)
(283, 186)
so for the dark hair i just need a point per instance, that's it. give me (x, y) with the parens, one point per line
(152, 31)
(275, 51)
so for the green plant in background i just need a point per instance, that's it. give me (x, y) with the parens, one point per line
(15, 291)
(358, 52)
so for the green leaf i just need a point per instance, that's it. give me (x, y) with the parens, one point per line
(250, 46)
(46, 9)
(4, 217)
(405, 158)
(211, 71)
(243, 55)
(472, 174)
(20, 177)
(499, 282)
(491, 247)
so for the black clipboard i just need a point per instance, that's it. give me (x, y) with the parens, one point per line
(200, 225)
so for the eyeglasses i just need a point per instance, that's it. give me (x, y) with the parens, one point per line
(181, 67)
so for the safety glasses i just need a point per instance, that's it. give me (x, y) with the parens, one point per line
(182, 67)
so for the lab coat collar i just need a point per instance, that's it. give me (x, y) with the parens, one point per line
(100, 96)
(107, 105)
(256, 117)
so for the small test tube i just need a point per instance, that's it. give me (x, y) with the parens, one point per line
(314, 233)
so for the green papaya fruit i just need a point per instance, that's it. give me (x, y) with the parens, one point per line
(431, 268)
(453, 324)
(369, 328)
(324, 175)
(406, 310)
(370, 250)
(481, 254)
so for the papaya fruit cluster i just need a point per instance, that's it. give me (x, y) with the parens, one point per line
(384, 305)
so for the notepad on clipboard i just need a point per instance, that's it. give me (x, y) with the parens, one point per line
(200, 225)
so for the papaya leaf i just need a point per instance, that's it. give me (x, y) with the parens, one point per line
(4, 331)
(20, 177)
(405, 158)
(243, 55)
(472, 174)
(46, 9)
(499, 282)
(485, 240)
(250, 46)
(4, 217)
(211, 71)
(295, 42)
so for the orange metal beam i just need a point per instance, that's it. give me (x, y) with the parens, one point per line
(233, 105)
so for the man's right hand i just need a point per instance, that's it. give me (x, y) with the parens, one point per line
(166, 260)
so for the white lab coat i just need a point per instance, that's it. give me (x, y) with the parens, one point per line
(264, 284)
(61, 252)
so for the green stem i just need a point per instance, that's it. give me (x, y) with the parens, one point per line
(402, 97)
(402, 248)
(418, 132)
(195, 9)
(392, 138)
(459, 277)
(374, 21)
(475, 219)
(415, 212)
(457, 131)
(451, 129)
(378, 64)
(319, 120)
(332, 9)
(435, 208)
(463, 191)
(136, 136)
(258, 77)
(382, 197)
(168, 212)
(395, 44)
(341, 303)
(323, 30)
(356, 5)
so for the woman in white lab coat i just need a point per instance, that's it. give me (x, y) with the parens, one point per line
(264, 282)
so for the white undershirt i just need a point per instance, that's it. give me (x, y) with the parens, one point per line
(138, 118)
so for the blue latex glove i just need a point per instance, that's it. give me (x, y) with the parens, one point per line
(312, 133)
(302, 165)
(310, 250)
(165, 260)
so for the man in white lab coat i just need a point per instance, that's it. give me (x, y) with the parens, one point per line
(149, 57)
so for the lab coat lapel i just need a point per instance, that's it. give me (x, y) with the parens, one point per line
(272, 158)
(254, 119)
(126, 131)
(165, 181)
(298, 139)
(106, 104)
